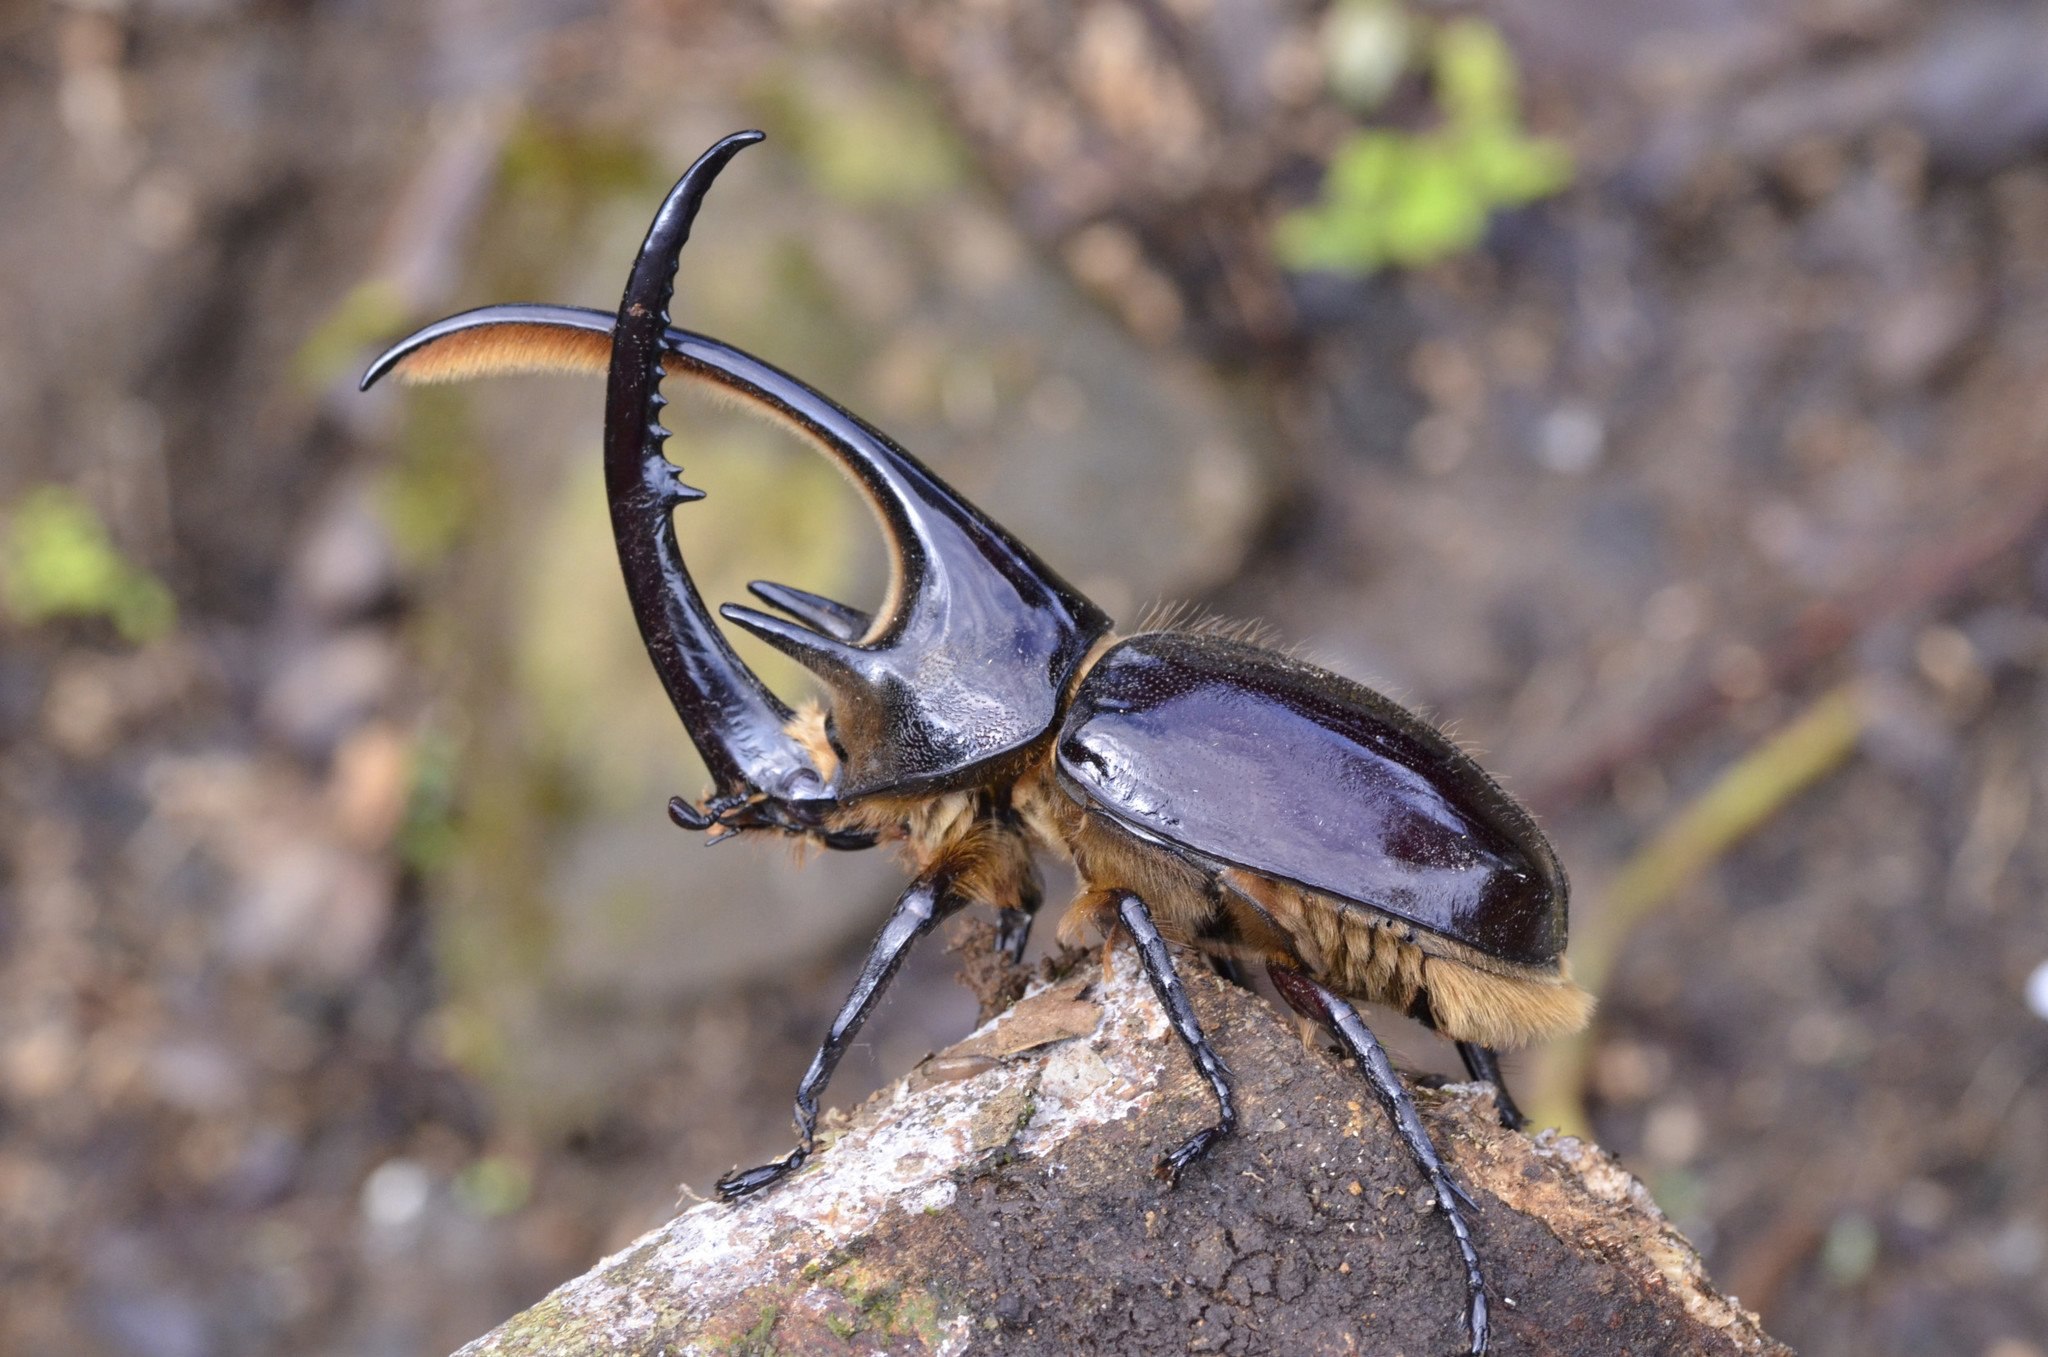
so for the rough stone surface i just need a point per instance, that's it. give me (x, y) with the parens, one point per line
(1001, 1199)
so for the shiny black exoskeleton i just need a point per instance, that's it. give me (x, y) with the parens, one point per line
(1210, 792)
(1333, 767)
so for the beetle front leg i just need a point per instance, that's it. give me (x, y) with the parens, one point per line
(1180, 1014)
(1320, 1005)
(919, 910)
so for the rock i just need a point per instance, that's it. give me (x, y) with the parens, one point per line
(1004, 1201)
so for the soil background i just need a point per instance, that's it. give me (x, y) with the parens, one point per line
(354, 989)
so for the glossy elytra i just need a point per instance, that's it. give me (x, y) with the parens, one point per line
(1212, 794)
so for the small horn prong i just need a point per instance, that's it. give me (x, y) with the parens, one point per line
(825, 656)
(835, 619)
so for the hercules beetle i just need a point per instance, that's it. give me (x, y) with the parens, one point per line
(1209, 792)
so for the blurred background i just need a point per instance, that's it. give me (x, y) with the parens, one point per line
(1656, 391)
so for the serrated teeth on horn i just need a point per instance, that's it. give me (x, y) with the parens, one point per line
(835, 619)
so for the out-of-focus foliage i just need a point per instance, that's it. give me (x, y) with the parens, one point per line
(886, 145)
(1405, 198)
(56, 560)
(572, 169)
(427, 836)
(495, 1185)
(370, 312)
(1742, 800)
(1368, 45)
(431, 492)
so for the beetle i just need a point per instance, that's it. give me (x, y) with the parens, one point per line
(1210, 793)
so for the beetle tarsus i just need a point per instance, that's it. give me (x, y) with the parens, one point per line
(1320, 1005)
(746, 1182)
(1180, 1015)
(1483, 1064)
(1170, 1166)
(687, 816)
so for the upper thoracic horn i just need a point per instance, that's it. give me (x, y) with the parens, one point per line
(967, 657)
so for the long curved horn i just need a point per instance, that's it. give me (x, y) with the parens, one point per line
(967, 658)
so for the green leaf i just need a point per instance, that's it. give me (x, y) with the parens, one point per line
(1412, 198)
(1475, 74)
(1437, 213)
(1510, 169)
(57, 560)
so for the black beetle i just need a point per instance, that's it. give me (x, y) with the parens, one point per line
(1209, 792)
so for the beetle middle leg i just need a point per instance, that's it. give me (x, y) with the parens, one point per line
(1013, 931)
(1320, 1005)
(930, 899)
(1180, 1014)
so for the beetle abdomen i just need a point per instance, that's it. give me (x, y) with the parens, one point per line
(1175, 736)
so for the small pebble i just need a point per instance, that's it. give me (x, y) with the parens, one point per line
(396, 1192)
(1571, 440)
(2037, 991)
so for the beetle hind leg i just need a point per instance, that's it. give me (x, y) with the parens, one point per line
(1483, 1064)
(1157, 960)
(1319, 1004)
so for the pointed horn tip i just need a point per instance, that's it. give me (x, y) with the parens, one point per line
(384, 365)
(697, 179)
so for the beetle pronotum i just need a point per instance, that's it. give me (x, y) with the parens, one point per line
(987, 711)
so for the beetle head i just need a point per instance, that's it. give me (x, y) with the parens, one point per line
(963, 664)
